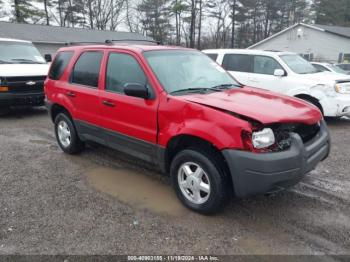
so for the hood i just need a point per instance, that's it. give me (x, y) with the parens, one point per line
(8, 70)
(263, 106)
(322, 77)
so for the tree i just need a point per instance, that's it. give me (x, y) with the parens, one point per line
(335, 12)
(178, 7)
(234, 7)
(156, 19)
(25, 12)
(46, 4)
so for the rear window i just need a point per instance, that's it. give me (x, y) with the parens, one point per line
(87, 69)
(238, 63)
(213, 56)
(59, 64)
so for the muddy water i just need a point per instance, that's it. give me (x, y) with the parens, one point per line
(137, 190)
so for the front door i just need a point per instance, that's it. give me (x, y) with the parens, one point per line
(263, 74)
(129, 123)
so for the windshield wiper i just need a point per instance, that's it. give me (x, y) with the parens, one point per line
(195, 89)
(5, 62)
(225, 86)
(27, 61)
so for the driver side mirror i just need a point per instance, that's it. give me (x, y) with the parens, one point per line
(279, 72)
(48, 58)
(136, 90)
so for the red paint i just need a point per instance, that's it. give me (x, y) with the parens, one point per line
(207, 116)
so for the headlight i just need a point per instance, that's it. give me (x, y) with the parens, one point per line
(3, 88)
(343, 88)
(263, 138)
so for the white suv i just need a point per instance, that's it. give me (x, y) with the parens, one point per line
(287, 73)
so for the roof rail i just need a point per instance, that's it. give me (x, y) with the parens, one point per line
(84, 43)
(111, 41)
(273, 50)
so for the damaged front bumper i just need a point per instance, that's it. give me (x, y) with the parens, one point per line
(259, 173)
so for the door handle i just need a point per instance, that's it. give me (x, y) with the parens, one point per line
(108, 103)
(70, 94)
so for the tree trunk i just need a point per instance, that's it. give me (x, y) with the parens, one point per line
(233, 23)
(18, 12)
(46, 13)
(193, 23)
(200, 24)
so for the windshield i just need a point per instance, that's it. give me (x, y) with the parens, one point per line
(188, 70)
(19, 53)
(298, 64)
(338, 69)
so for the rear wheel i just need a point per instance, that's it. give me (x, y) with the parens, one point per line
(66, 135)
(199, 181)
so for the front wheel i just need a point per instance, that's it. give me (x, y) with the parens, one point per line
(66, 135)
(199, 181)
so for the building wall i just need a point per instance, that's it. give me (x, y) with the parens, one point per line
(324, 46)
(46, 48)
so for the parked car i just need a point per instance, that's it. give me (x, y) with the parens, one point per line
(327, 67)
(345, 67)
(22, 73)
(181, 111)
(290, 74)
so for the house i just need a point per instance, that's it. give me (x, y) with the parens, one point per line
(49, 38)
(315, 42)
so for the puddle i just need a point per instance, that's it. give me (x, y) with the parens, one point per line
(136, 190)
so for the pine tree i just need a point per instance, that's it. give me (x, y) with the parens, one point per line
(156, 19)
(25, 12)
(335, 12)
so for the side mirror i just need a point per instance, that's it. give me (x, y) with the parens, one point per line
(136, 90)
(279, 72)
(48, 58)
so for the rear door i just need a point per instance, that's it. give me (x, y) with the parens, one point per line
(83, 93)
(239, 66)
(129, 123)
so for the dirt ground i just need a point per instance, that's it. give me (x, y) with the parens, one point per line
(103, 202)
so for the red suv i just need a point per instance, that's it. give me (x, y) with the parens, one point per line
(181, 111)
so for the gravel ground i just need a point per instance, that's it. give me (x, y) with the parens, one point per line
(103, 202)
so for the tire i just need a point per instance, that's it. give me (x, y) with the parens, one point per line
(213, 175)
(72, 144)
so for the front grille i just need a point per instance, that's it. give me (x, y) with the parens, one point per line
(25, 84)
(282, 134)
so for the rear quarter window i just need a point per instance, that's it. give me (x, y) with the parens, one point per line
(59, 64)
(238, 63)
(213, 56)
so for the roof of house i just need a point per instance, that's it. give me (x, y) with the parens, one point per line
(338, 30)
(60, 35)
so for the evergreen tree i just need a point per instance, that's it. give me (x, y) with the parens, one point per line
(24, 12)
(335, 12)
(156, 19)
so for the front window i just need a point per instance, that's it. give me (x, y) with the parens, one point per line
(298, 64)
(188, 70)
(19, 53)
